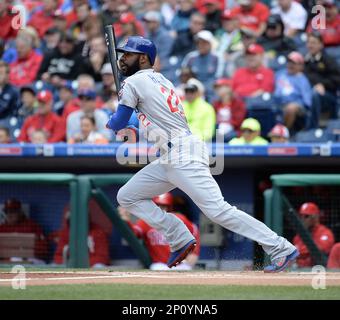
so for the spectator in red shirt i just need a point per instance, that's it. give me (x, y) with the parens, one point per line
(321, 235)
(97, 242)
(254, 79)
(330, 34)
(24, 70)
(43, 19)
(44, 119)
(230, 110)
(16, 221)
(7, 30)
(155, 242)
(252, 14)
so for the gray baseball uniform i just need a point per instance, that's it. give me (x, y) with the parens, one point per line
(184, 163)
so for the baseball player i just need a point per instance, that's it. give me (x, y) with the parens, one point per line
(183, 163)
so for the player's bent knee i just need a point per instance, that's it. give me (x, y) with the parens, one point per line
(122, 197)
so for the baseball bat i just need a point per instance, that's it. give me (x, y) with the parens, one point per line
(111, 45)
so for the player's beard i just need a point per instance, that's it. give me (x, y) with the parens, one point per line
(130, 70)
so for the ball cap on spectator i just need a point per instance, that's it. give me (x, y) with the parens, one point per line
(106, 69)
(58, 14)
(154, 16)
(207, 2)
(45, 96)
(28, 88)
(255, 49)
(296, 57)
(228, 15)
(88, 93)
(244, 2)
(52, 30)
(12, 205)
(127, 17)
(274, 20)
(194, 85)
(68, 37)
(247, 32)
(309, 208)
(279, 130)
(251, 124)
(206, 36)
(67, 84)
(223, 82)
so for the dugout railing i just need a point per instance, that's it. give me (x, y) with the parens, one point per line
(281, 204)
(81, 188)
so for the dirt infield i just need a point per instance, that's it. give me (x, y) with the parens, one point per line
(246, 278)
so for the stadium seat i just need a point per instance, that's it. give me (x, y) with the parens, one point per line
(13, 125)
(264, 109)
(314, 135)
(334, 52)
(333, 128)
(277, 63)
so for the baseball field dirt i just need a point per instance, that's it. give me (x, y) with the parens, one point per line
(171, 285)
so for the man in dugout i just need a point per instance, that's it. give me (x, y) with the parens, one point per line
(321, 235)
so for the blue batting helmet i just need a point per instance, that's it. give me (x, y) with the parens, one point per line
(139, 44)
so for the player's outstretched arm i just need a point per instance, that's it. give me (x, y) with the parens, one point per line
(120, 119)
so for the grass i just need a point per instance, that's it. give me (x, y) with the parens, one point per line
(168, 292)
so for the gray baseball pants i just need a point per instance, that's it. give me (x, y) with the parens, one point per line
(192, 175)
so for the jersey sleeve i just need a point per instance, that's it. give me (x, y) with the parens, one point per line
(128, 95)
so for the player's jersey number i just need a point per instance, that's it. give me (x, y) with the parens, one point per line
(172, 99)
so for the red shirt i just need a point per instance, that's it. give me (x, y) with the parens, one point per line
(51, 123)
(331, 34)
(24, 71)
(71, 17)
(41, 21)
(155, 242)
(247, 81)
(232, 113)
(252, 19)
(202, 8)
(6, 30)
(97, 241)
(324, 240)
(29, 226)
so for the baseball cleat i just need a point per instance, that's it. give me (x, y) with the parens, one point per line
(282, 263)
(179, 255)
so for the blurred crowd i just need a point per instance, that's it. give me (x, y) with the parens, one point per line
(247, 71)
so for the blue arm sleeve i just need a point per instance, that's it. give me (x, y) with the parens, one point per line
(120, 119)
(134, 120)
